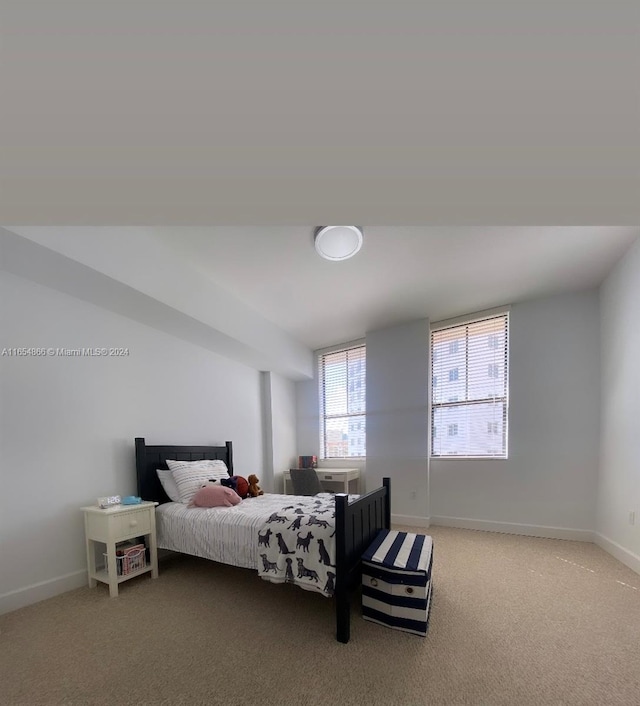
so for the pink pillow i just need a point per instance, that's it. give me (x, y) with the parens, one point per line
(214, 495)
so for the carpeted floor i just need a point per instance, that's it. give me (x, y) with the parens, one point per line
(515, 621)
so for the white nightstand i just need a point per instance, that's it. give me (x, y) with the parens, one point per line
(118, 524)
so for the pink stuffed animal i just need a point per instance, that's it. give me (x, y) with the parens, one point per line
(214, 495)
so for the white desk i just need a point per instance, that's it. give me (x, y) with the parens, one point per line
(331, 475)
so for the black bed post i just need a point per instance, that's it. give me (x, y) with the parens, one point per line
(343, 607)
(386, 482)
(140, 464)
(229, 446)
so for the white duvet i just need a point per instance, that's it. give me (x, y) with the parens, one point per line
(225, 534)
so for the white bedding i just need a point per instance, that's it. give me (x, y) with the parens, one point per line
(225, 534)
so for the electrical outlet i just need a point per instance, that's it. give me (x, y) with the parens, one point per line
(413, 494)
(632, 517)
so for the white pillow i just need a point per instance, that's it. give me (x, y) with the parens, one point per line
(190, 476)
(169, 485)
(204, 464)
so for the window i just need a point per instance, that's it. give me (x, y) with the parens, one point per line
(470, 408)
(342, 377)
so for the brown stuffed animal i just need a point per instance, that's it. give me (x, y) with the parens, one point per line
(254, 488)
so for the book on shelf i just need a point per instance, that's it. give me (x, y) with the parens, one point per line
(307, 461)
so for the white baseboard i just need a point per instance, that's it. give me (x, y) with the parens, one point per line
(514, 528)
(411, 521)
(628, 558)
(40, 591)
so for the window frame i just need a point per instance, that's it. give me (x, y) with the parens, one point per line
(502, 312)
(323, 417)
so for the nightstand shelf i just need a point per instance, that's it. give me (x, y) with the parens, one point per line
(113, 526)
(102, 575)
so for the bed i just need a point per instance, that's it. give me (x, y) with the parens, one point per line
(356, 523)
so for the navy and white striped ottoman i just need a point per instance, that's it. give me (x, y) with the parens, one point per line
(396, 581)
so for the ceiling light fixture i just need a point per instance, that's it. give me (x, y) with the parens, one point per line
(338, 242)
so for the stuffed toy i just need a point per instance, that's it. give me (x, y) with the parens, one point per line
(230, 482)
(237, 483)
(215, 495)
(243, 487)
(254, 488)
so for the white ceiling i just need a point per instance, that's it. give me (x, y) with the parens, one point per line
(401, 273)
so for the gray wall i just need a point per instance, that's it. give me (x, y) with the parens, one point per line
(67, 424)
(279, 429)
(619, 478)
(397, 417)
(548, 485)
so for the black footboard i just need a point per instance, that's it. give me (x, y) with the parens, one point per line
(357, 524)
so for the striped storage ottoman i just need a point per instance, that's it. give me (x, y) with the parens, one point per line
(396, 581)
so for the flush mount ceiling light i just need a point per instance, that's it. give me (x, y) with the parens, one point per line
(338, 242)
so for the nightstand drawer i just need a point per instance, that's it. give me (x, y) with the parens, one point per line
(131, 524)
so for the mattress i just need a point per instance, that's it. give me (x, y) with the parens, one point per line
(225, 534)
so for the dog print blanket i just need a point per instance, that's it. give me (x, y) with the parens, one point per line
(297, 544)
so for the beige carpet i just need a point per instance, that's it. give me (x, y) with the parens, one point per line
(515, 621)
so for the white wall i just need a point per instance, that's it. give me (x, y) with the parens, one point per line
(397, 398)
(283, 434)
(397, 417)
(278, 429)
(308, 419)
(619, 478)
(128, 271)
(547, 486)
(67, 424)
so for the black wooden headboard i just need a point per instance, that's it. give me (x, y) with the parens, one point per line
(151, 458)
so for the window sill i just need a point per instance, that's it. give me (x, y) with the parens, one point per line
(468, 458)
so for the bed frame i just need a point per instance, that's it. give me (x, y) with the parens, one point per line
(357, 523)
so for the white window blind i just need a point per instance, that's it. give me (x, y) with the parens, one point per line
(470, 388)
(343, 403)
